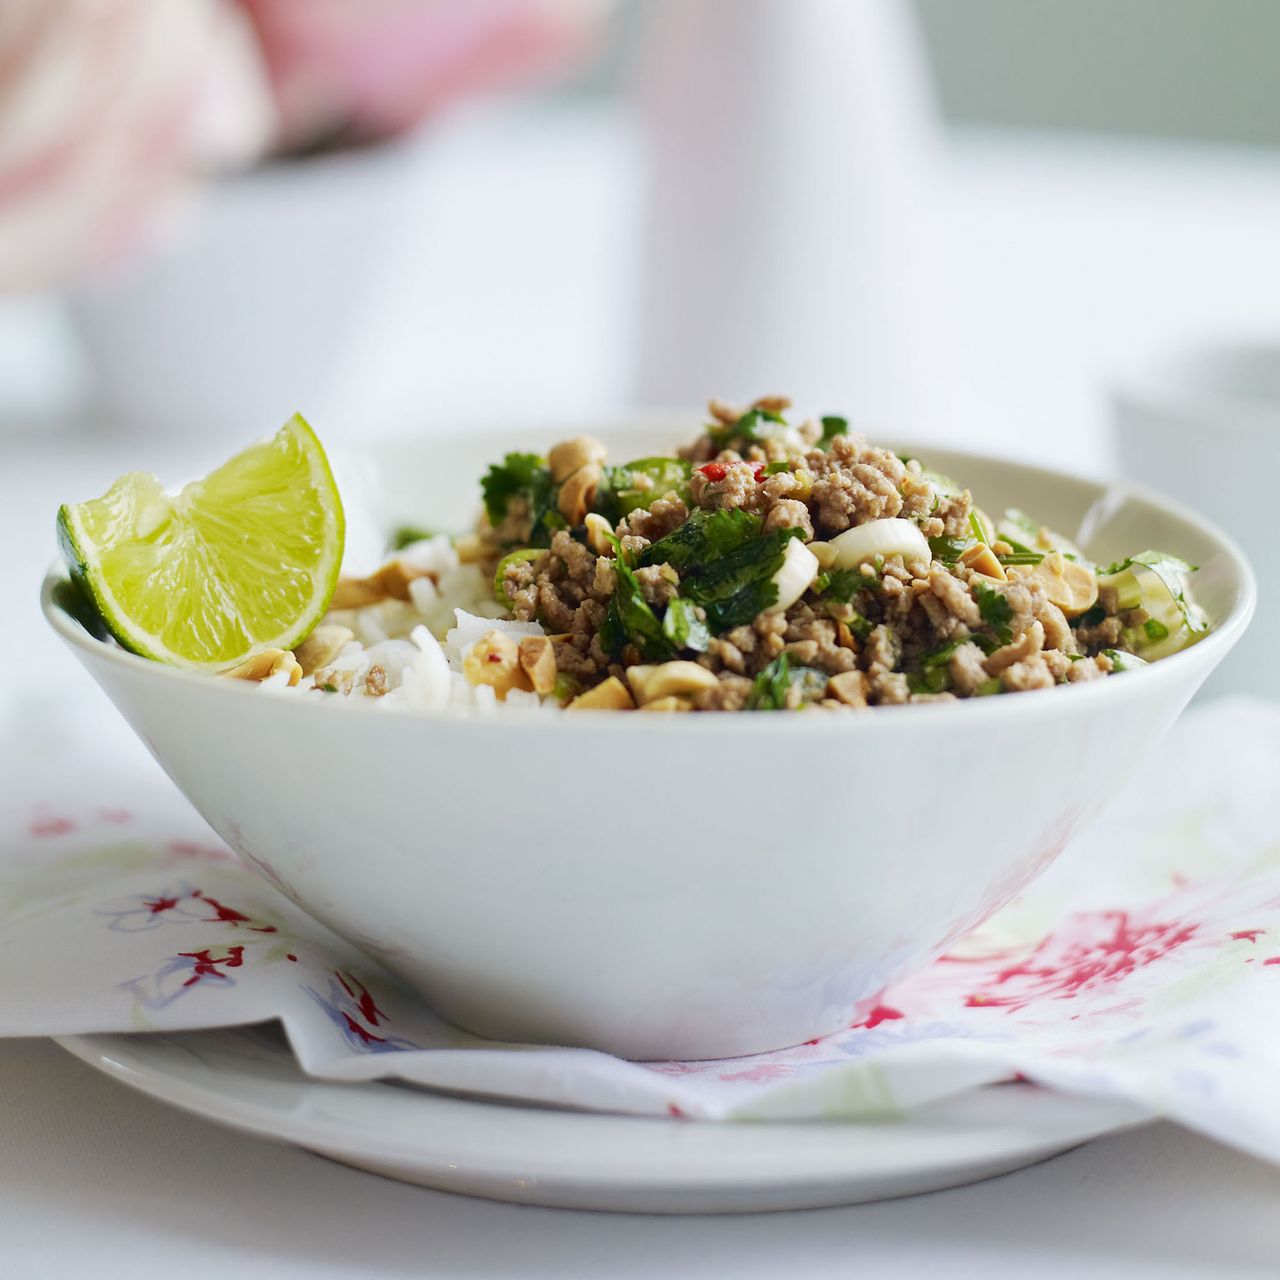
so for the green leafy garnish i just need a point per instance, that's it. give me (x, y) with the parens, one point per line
(774, 468)
(639, 484)
(769, 692)
(843, 584)
(745, 431)
(630, 620)
(996, 611)
(736, 587)
(682, 626)
(948, 550)
(523, 475)
(407, 534)
(832, 426)
(704, 537)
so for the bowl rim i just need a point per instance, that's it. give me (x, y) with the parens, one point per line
(996, 711)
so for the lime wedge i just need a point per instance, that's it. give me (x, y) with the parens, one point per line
(245, 559)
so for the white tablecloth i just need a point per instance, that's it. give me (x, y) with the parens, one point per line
(95, 1180)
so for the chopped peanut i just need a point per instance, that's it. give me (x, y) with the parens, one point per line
(494, 660)
(538, 662)
(578, 493)
(268, 662)
(322, 646)
(1069, 584)
(981, 559)
(850, 687)
(608, 695)
(391, 582)
(570, 455)
(649, 683)
(599, 534)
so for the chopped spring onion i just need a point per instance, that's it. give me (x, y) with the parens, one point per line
(1156, 584)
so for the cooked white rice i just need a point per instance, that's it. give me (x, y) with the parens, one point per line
(422, 643)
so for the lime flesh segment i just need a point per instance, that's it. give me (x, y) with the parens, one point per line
(243, 560)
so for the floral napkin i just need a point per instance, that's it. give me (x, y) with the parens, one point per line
(1144, 966)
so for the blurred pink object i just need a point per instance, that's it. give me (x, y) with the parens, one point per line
(105, 107)
(109, 109)
(361, 69)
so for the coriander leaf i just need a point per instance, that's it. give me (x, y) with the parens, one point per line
(736, 587)
(844, 584)
(523, 475)
(832, 426)
(682, 626)
(948, 550)
(769, 692)
(746, 430)
(407, 534)
(630, 620)
(995, 610)
(515, 474)
(704, 537)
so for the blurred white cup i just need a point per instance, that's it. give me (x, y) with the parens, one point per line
(1203, 425)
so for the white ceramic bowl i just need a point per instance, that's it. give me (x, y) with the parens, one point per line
(669, 886)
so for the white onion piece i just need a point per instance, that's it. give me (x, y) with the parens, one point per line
(894, 537)
(793, 579)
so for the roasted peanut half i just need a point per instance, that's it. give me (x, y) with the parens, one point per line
(608, 695)
(669, 679)
(578, 493)
(570, 455)
(850, 687)
(1069, 584)
(494, 660)
(269, 662)
(981, 559)
(322, 646)
(391, 582)
(599, 534)
(538, 662)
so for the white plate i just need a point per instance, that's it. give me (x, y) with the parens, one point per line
(247, 1078)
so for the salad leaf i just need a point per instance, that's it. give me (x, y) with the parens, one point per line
(523, 475)
(996, 611)
(832, 426)
(843, 584)
(948, 550)
(406, 535)
(630, 620)
(682, 626)
(746, 430)
(736, 587)
(703, 538)
(769, 692)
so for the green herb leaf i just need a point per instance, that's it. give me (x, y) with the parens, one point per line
(523, 475)
(995, 610)
(745, 431)
(407, 534)
(769, 692)
(948, 550)
(682, 626)
(736, 587)
(832, 426)
(844, 584)
(704, 537)
(631, 620)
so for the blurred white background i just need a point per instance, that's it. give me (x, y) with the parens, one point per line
(951, 225)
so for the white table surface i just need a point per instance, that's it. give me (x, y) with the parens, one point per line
(95, 1180)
